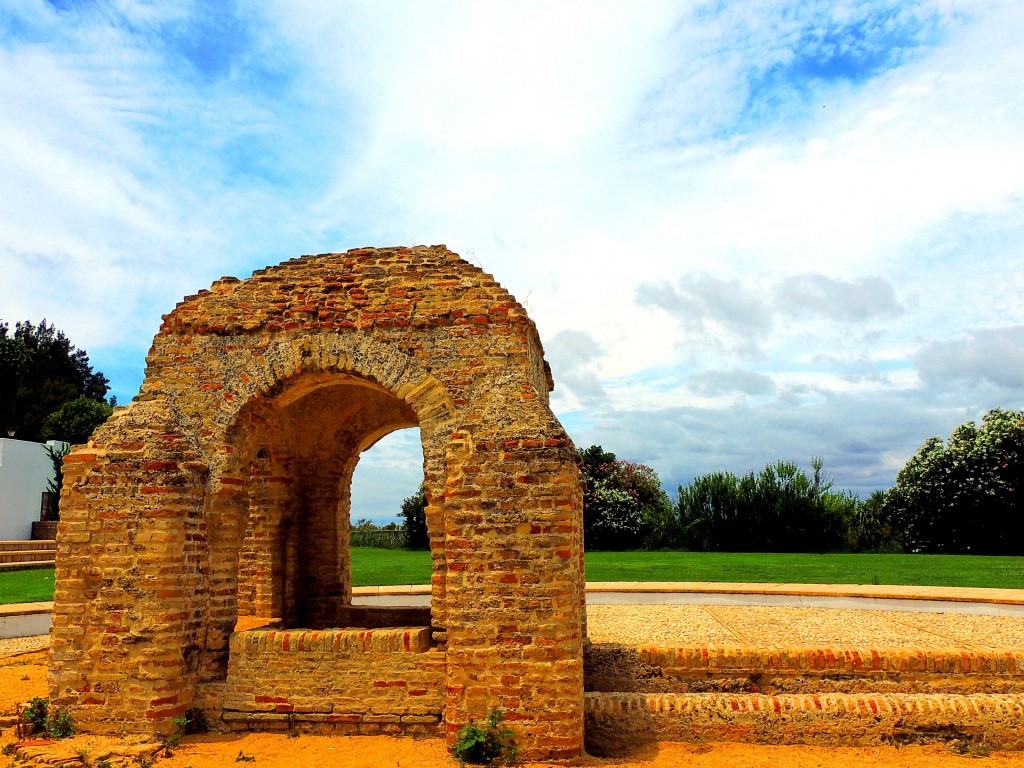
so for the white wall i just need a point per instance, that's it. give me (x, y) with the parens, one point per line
(25, 472)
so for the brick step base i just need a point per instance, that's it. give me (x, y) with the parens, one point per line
(620, 723)
(614, 668)
(21, 546)
(28, 556)
(26, 565)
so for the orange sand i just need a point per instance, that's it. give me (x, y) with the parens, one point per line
(22, 677)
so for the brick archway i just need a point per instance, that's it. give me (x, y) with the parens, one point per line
(221, 492)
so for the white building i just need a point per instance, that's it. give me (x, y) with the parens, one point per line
(25, 473)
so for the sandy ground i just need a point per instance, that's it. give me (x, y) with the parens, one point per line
(24, 676)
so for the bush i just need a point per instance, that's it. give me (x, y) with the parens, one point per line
(55, 723)
(624, 505)
(76, 420)
(483, 745)
(781, 509)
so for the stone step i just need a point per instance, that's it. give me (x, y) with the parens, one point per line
(621, 723)
(29, 556)
(26, 565)
(613, 668)
(23, 545)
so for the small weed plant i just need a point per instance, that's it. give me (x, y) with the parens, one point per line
(35, 714)
(244, 758)
(483, 745)
(60, 724)
(55, 723)
(193, 721)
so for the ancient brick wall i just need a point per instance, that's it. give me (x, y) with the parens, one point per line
(333, 681)
(221, 493)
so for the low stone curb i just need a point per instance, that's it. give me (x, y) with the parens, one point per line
(45, 752)
(618, 722)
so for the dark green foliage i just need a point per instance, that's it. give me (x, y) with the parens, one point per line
(193, 721)
(870, 527)
(60, 724)
(56, 455)
(624, 505)
(780, 509)
(76, 420)
(55, 723)
(414, 517)
(482, 745)
(963, 496)
(40, 370)
(35, 713)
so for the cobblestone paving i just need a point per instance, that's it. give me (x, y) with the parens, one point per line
(13, 646)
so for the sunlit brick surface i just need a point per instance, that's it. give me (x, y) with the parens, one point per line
(221, 493)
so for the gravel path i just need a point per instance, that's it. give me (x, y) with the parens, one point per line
(677, 626)
(674, 626)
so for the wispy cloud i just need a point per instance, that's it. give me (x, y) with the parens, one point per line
(758, 228)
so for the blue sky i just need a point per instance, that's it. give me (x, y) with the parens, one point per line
(746, 231)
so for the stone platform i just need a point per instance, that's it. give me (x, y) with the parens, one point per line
(801, 675)
(779, 674)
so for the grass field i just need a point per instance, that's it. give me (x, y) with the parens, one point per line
(26, 586)
(396, 566)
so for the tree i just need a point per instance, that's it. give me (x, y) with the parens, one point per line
(76, 420)
(963, 496)
(414, 517)
(870, 527)
(40, 370)
(56, 453)
(780, 509)
(624, 505)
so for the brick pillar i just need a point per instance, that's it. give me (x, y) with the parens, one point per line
(514, 587)
(124, 625)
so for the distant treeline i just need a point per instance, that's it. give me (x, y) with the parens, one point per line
(961, 496)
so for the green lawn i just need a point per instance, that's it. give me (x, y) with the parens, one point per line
(918, 570)
(26, 586)
(396, 566)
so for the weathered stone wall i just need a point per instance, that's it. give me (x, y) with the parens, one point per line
(222, 492)
(345, 681)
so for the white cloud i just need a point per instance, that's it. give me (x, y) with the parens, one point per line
(830, 190)
(988, 355)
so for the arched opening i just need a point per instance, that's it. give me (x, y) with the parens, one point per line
(388, 473)
(279, 521)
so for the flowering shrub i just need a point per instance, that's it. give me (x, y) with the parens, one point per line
(624, 505)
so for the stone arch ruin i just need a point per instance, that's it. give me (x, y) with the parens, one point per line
(203, 556)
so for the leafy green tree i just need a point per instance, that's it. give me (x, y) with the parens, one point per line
(963, 496)
(76, 420)
(40, 370)
(414, 520)
(870, 527)
(624, 505)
